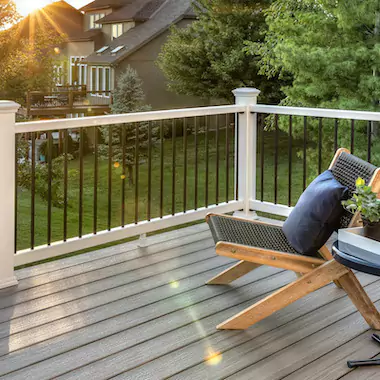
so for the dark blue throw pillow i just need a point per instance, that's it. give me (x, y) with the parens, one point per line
(316, 215)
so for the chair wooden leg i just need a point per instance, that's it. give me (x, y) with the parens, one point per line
(326, 254)
(360, 299)
(233, 273)
(314, 280)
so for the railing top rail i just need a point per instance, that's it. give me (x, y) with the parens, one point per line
(49, 125)
(317, 112)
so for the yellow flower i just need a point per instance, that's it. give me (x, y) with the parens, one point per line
(123, 176)
(360, 182)
(116, 165)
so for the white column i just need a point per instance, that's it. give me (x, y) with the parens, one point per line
(7, 192)
(247, 142)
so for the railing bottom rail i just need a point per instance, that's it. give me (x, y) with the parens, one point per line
(92, 240)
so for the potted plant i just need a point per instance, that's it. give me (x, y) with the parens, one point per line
(365, 202)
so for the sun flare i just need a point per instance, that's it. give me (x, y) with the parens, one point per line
(28, 6)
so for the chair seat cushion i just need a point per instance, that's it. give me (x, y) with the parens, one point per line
(316, 215)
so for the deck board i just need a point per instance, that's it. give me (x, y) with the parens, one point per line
(137, 269)
(126, 312)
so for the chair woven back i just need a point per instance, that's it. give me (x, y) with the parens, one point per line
(346, 170)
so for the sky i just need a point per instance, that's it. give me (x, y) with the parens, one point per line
(26, 6)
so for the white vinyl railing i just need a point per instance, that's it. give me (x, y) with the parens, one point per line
(245, 109)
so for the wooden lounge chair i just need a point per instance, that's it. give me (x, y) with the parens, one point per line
(256, 243)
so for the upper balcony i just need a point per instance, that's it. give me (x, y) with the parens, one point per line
(66, 100)
(135, 307)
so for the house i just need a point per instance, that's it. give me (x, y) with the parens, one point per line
(104, 37)
(134, 33)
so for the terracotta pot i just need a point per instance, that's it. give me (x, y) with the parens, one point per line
(372, 230)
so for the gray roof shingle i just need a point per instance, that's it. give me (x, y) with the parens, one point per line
(170, 13)
(126, 13)
(102, 4)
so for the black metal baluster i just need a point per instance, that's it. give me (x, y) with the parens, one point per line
(162, 169)
(173, 165)
(33, 192)
(81, 137)
(369, 140)
(304, 151)
(352, 136)
(110, 154)
(96, 174)
(50, 171)
(124, 175)
(290, 160)
(184, 166)
(149, 171)
(336, 125)
(275, 157)
(195, 164)
(262, 122)
(65, 181)
(207, 159)
(227, 156)
(137, 160)
(320, 146)
(217, 160)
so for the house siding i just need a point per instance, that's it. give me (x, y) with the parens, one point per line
(154, 81)
(79, 49)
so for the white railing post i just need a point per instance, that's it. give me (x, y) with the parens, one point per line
(247, 142)
(7, 193)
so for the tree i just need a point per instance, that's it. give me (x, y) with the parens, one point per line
(128, 97)
(330, 48)
(331, 51)
(208, 57)
(26, 64)
(8, 13)
(28, 52)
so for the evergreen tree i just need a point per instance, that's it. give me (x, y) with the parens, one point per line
(330, 48)
(128, 97)
(208, 57)
(331, 51)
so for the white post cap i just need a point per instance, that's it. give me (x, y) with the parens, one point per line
(246, 95)
(8, 106)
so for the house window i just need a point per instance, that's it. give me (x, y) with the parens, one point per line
(107, 74)
(78, 71)
(100, 81)
(83, 76)
(59, 75)
(117, 30)
(95, 17)
(117, 49)
(93, 79)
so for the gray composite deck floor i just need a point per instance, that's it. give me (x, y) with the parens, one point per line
(144, 313)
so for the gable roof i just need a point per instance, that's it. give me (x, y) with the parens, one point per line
(59, 16)
(139, 10)
(104, 4)
(170, 12)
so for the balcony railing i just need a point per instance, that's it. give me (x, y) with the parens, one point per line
(63, 101)
(107, 178)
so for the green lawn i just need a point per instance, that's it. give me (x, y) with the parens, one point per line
(24, 217)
